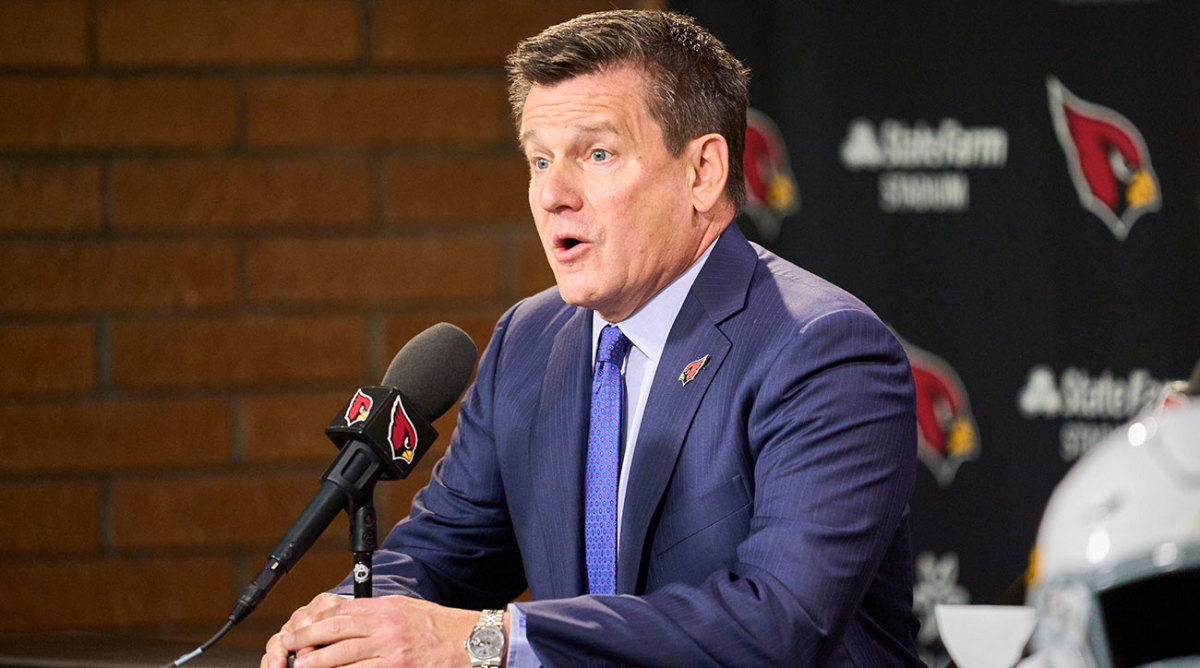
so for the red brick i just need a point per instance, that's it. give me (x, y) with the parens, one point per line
(290, 427)
(369, 271)
(47, 358)
(71, 276)
(115, 112)
(238, 351)
(43, 32)
(457, 189)
(114, 593)
(152, 32)
(50, 197)
(240, 192)
(467, 110)
(49, 517)
(398, 330)
(466, 31)
(237, 510)
(533, 270)
(114, 435)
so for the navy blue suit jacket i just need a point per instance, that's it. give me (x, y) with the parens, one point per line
(765, 518)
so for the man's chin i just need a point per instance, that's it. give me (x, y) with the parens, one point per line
(577, 295)
(574, 297)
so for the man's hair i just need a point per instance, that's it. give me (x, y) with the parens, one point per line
(694, 86)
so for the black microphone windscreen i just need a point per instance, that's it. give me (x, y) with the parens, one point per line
(432, 370)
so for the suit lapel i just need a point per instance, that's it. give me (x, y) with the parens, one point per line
(719, 292)
(556, 454)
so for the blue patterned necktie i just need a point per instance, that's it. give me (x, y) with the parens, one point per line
(603, 465)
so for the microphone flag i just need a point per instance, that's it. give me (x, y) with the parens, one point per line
(385, 419)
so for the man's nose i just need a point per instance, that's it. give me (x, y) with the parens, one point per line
(560, 188)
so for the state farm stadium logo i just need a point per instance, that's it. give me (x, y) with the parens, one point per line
(1107, 158)
(1087, 406)
(923, 167)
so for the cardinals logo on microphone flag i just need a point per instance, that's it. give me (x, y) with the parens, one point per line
(359, 408)
(402, 437)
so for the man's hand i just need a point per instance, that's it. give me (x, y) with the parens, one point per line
(387, 631)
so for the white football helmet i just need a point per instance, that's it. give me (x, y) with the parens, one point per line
(1115, 576)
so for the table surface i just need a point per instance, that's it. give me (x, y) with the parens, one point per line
(71, 649)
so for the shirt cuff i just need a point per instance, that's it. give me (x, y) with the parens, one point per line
(520, 652)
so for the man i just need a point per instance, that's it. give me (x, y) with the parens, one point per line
(763, 418)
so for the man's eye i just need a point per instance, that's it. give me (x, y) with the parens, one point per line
(541, 164)
(599, 155)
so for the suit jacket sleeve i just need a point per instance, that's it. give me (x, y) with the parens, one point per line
(832, 429)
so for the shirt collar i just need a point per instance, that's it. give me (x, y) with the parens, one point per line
(648, 327)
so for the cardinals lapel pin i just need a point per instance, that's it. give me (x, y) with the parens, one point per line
(690, 371)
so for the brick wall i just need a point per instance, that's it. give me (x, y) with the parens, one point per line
(216, 220)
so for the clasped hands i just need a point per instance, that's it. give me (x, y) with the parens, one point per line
(369, 632)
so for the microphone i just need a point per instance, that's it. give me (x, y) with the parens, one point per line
(381, 433)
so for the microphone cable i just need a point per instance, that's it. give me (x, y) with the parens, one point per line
(200, 650)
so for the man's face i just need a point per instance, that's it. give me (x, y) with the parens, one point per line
(613, 208)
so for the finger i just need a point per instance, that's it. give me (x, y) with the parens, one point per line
(300, 617)
(328, 605)
(274, 655)
(273, 661)
(352, 652)
(292, 656)
(339, 605)
(319, 607)
(326, 631)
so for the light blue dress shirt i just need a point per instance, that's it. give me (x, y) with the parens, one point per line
(647, 329)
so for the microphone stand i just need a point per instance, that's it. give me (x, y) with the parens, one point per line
(362, 543)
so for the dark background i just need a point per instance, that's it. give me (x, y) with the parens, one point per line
(1024, 276)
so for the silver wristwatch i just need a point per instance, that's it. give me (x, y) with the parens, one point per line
(486, 644)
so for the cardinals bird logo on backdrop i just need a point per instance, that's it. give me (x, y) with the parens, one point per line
(1107, 158)
(771, 192)
(946, 431)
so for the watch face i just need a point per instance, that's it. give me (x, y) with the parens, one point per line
(486, 642)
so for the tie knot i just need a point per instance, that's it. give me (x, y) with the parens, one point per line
(613, 345)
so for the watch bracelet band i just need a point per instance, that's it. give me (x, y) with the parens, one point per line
(493, 619)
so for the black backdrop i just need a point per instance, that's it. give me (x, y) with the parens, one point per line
(940, 156)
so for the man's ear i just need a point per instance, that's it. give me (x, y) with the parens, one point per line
(710, 169)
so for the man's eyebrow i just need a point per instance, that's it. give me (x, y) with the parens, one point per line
(598, 128)
(603, 127)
